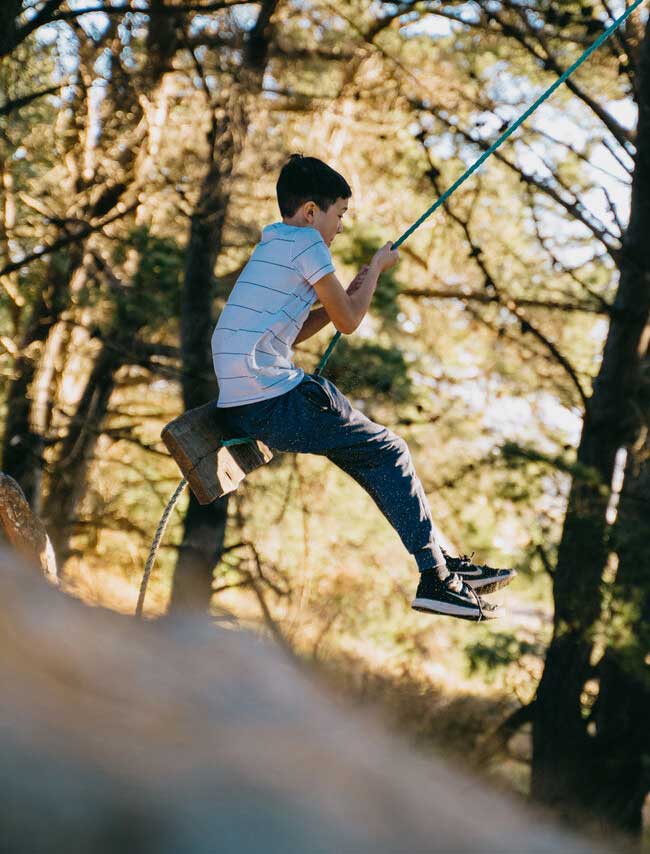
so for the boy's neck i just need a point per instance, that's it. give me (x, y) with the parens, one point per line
(297, 221)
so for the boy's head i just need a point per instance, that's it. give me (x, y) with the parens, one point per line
(311, 193)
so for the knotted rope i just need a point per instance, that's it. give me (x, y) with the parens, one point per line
(160, 530)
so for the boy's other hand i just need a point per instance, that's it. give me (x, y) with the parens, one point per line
(385, 258)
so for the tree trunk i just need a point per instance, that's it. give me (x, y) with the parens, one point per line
(562, 747)
(22, 453)
(205, 526)
(23, 446)
(67, 484)
(621, 779)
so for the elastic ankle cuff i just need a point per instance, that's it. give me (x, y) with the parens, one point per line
(431, 559)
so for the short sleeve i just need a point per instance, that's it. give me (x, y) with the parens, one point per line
(312, 259)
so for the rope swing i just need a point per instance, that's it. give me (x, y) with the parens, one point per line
(431, 210)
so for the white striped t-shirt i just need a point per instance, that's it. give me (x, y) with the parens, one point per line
(253, 339)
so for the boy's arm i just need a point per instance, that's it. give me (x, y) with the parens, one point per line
(318, 318)
(346, 309)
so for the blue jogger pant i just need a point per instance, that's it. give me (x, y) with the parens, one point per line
(316, 418)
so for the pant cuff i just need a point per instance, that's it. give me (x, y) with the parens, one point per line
(432, 558)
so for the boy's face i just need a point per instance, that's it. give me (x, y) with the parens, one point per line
(329, 222)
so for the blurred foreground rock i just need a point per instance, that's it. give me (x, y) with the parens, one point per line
(178, 737)
(22, 529)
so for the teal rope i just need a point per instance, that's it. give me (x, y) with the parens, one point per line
(479, 162)
(504, 136)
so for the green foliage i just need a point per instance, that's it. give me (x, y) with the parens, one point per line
(153, 295)
(519, 457)
(368, 369)
(499, 650)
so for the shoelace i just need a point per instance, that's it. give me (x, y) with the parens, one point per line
(477, 598)
(479, 605)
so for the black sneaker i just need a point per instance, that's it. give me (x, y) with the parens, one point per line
(452, 598)
(479, 576)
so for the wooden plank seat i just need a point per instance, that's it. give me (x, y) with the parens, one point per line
(195, 440)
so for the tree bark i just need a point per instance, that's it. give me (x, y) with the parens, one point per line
(620, 776)
(562, 746)
(22, 453)
(67, 484)
(204, 525)
(622, 780)
(23, 530)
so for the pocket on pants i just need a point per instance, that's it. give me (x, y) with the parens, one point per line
(316, 393)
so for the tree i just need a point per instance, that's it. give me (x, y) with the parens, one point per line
(239, 84)
(567, 738)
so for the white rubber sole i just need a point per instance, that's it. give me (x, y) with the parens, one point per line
(448, 609)
(489, 585)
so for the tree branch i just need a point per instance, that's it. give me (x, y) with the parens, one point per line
(491, 287)
(548, 61)
(507, 301)
(84, 231)
(498, 740)
(573, 206)
(18, 103)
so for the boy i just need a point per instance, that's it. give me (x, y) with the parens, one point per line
(265, 396)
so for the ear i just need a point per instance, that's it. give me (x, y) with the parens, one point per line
(309, 211)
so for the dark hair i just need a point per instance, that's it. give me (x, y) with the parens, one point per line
(308, 179)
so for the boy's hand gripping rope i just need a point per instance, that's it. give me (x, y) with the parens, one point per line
(434, 207)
